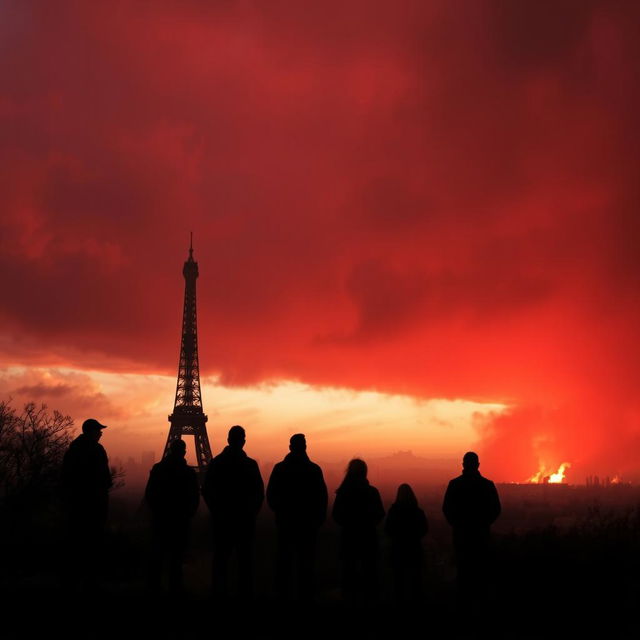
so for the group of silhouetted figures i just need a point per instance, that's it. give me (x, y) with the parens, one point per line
(233, 490)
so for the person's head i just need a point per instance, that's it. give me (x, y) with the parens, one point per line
(357, 470)
(356, 474)
(236, 437)
(93, 429)
(178, 448)
(297, 443)
(406, 496)
(470, 461)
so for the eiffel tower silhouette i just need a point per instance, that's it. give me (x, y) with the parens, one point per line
(188, 416)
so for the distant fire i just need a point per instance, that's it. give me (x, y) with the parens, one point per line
(558, 477)
(545, 476)
(616, 479)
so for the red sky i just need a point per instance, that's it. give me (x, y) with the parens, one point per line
(418, 198)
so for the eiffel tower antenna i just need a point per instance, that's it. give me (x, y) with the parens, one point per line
(188, 416)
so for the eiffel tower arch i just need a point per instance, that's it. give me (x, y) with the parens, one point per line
(188, 417)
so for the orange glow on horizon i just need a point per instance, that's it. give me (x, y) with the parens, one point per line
(339, 423)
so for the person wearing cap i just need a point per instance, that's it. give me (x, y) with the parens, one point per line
(471, 505)
(173, 495)
(234, 492)
(86, 480)
(297, 494)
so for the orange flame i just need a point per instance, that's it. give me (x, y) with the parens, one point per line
(558, 477)
(544, 475)
(537, 478)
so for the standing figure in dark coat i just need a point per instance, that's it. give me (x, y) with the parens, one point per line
(234, 491)
(358, 510)
(173, 495)
(298, 496)
(471, 505)
(406, 525)
(86, 480)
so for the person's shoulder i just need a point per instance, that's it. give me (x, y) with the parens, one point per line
(251, 462)
(80, 443)
(489, 484)
(163, 468)
(306, 467)
(213, 463)
(92, 449)
(315, 467)
(73, 448)
(217, 459)
(373, 491)
(454, 482)
(77, 441)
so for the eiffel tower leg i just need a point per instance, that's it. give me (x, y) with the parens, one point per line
(203, 451)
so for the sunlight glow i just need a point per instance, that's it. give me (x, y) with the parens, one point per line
(339, 423)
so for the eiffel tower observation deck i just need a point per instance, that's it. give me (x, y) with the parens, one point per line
(188, 417)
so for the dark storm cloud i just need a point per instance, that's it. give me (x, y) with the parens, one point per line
(412, 197)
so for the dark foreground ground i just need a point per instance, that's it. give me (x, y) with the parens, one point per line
(572, 570)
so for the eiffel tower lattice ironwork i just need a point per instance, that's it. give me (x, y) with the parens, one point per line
(188, 416)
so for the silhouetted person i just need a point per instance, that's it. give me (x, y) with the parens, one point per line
(86, 480)
(173, 495)
(358, 510)
(406, 525)
(471, 505)
(234, 491)
(298, 496)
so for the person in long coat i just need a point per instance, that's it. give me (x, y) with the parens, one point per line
(406, 525)
(234, 492)
(86, 481)
(173, 495)
(358, 510)
(471, 505)
(297, 494)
